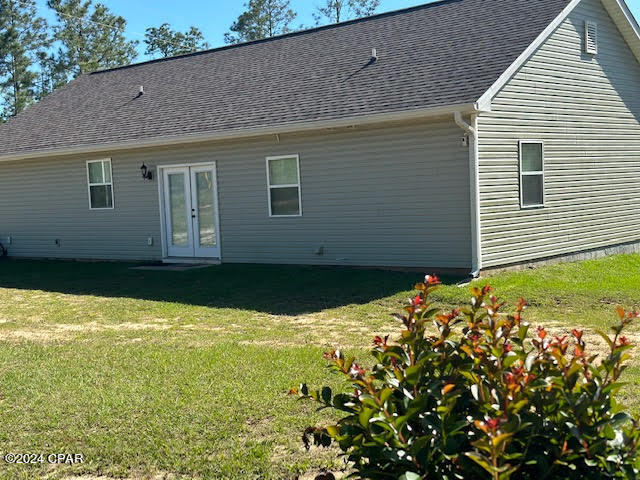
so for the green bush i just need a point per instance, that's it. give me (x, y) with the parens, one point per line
(482, 401)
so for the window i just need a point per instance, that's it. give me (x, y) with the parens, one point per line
(591, 37)
(531, 174)
(283, 182)
(100, 184)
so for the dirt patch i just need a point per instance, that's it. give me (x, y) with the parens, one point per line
(209, 328)
(595, 343)
(50, 332)
(327, 330)
(259, 427)
(323, 476)
(269, 343)
(321, 344)
(97, 327)
(62, 331)
(29, 335)
(156, 476)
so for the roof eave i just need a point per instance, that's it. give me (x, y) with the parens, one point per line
(293, 127)
(621, 14)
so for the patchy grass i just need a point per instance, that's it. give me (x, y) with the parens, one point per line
(155, 374)
(578, 293)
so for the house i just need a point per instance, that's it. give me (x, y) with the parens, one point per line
(461, 134)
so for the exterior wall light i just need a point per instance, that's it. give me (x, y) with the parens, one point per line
(146, 173)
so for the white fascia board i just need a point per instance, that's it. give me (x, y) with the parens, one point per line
(484, 103)
(629, 16)
(294, 127)
(622, 16)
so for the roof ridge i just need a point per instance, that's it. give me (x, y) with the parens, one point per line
(305, 31)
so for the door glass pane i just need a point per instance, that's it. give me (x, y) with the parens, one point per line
(206, 212)
(532, 191)
(101, 196)
(178, 210)
(531, 157)
(283, 171)
(284, 201)
(95, 172)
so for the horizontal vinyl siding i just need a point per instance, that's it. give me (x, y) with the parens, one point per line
(586, 109)
(393, 195)
(45, 200)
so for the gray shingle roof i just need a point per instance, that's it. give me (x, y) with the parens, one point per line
(444, 53)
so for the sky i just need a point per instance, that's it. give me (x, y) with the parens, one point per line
(214, 17)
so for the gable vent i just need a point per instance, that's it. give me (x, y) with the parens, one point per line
(591, 37)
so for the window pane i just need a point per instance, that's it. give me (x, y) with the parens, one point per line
(283, 171)
(101, 196)
(531, 157)
(107, 172)
(532, 191)
(206, 212)
(95, 172)
(178, 208)
(284, 201)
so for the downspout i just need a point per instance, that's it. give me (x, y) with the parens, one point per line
(474, 181)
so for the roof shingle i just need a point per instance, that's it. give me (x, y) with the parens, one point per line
(443, 53)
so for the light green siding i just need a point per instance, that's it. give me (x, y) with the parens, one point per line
(586, 109)
(394, 195)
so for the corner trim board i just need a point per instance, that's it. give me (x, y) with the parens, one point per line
(474, 190)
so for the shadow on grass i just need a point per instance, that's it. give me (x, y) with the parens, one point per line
(275, 289)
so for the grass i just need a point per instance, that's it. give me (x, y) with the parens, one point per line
(155, 374)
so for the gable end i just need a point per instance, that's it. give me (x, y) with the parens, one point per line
(618, 11)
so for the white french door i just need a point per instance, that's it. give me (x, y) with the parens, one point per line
(191, 211)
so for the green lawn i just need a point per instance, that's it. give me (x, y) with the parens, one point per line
(155, 374)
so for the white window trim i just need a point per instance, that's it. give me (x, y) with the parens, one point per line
(89, 184)
(536, 173)
(269, 186)
(587, 25)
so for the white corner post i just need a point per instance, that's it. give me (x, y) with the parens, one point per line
(474, 193)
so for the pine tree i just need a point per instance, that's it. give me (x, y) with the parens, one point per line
(51, 74)
(335, 11)
(91, 37)
(23, 38)
(262, 19)
(165, 42)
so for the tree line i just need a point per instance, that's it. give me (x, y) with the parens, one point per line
(37, 56)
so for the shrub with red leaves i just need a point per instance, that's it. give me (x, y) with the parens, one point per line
(485, 401)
